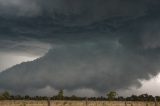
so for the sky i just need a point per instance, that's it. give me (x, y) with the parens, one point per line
(82, 46)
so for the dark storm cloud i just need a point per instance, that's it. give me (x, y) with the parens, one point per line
(88, 8)
(103, 66)
(96, 44)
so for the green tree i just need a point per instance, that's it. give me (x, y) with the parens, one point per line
(112, 95)
(60, 95)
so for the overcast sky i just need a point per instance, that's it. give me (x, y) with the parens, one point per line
(82, 46)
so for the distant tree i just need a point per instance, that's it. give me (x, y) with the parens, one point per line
(132, 98)
(5, 95)
(120, 98)
(157, 97)
(150, 98)
(1, 97)
(18, 97)
(27, 97)
(60, 95)
(111, 95)
(143, 97)
(73, 97)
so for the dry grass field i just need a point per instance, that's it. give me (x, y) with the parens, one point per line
(76, 103)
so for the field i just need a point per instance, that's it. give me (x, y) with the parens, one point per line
(76, 103)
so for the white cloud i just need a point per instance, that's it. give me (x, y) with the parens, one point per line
(151, 87)
(8, 60)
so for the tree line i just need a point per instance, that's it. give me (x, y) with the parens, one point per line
(110, 96)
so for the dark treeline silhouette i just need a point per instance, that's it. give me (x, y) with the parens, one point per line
(110, 96)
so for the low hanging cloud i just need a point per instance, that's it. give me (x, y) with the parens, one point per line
(95, 46)
(100, 66)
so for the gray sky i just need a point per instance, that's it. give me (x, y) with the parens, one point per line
(81, 46)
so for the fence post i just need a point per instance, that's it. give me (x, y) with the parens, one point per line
(125, 103)
(146, 104)
(96, 101)
(86, 101)
(48, 102)
(155, 101)
(24, 104)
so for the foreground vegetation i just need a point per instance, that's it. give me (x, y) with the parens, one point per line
(110, 96)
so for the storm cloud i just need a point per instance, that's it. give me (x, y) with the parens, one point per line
(79, 9)
(92, 45)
